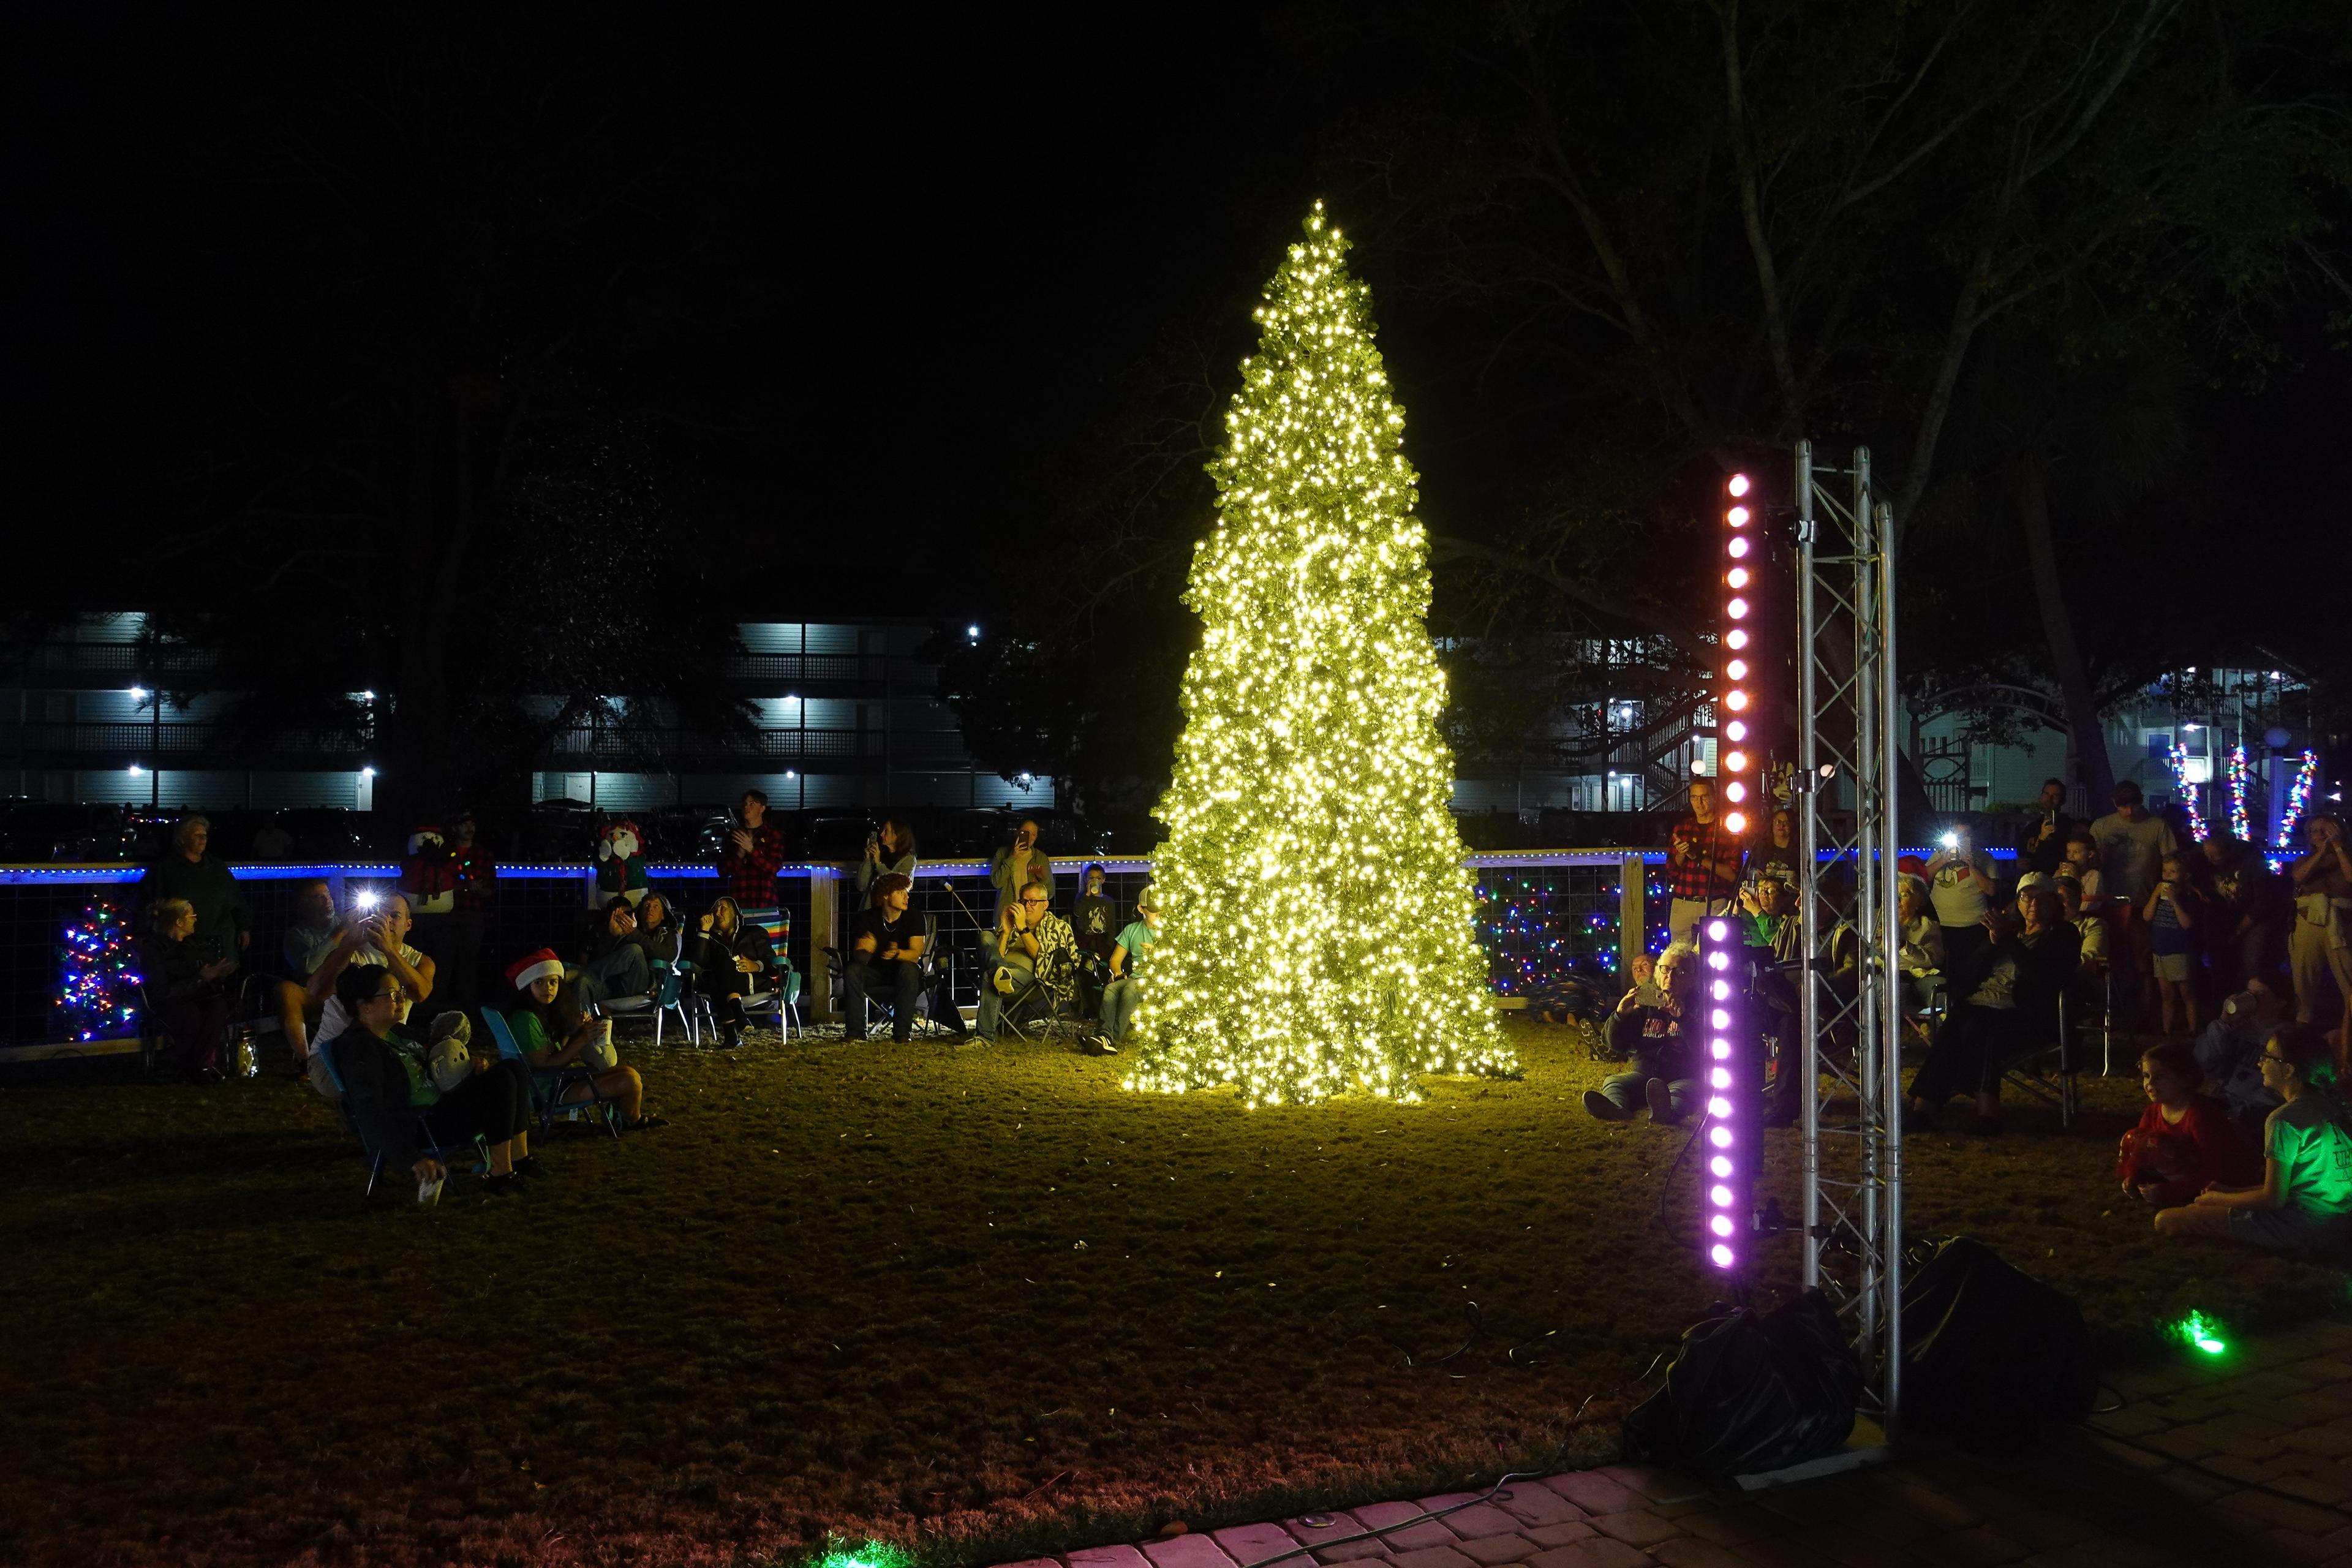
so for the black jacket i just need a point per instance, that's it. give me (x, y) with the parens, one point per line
(375, 1092)
(1650, 1038)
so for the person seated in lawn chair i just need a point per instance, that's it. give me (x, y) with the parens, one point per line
(612, 963)
(553, 1030)
(885, 959)
(387, 1080)
(1030, 943)
(187, 981)
(1127, 954)
(732, 959)
(659, 933)
(2010, 987)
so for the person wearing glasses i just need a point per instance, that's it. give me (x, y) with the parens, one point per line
(384, 1079)
(2304, 1202)
(1030, 942)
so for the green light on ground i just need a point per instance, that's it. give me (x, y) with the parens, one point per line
(873, 1554)
(2200, 1332)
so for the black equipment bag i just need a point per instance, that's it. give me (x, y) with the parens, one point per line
(1750, 1392)
(1990, 1356)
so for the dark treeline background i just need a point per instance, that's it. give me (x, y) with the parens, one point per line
(463, 358)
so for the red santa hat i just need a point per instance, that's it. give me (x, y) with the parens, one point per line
(534, 967)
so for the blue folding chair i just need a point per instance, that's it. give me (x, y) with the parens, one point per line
(549, 1085)
(419, 1123)
(668, 998)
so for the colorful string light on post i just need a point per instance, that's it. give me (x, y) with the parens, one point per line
(2297, 797)
(2187, 791)
(1727, 1158)
(98, 987)
(2240, 825)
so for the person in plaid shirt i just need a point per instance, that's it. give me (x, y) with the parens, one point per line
(1702, 864)
(749, 860)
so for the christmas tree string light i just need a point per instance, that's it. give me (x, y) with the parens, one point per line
(2187, 791)
(2239, 825)
(2291, 817)
(98, 985)
(1317, 918)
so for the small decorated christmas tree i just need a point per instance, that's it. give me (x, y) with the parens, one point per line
(1317, 914)
(98, 988)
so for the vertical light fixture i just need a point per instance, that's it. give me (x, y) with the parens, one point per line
(1727, 1133)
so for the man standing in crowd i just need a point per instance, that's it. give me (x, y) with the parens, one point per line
(2323, 924)
(478, 884)
(1018, 864)
(752, 855)
(2044, 847)
(890, 851)
(1702, 864)
(2133, 844)
(188, 871)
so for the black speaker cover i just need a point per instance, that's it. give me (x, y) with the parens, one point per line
(1990, 1356)
(1750, 1392)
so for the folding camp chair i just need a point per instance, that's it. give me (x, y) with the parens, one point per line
(549, 1085)
(2048, 1072)
(668, 998)
(927, 980)
(781, 994)
(246, 1026)
(420, 1124)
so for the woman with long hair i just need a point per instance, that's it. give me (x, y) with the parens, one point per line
(731, 957)
(555, 1031)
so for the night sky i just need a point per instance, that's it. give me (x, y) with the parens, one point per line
(951, 235)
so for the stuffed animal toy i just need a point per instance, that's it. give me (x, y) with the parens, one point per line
(450, 1059)
(620, 864)
(428, 877)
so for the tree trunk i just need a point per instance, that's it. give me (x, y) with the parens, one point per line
(2086, 743)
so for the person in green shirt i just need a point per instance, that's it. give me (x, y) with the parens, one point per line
(2304, 1202)
(553, 1030)
(1119, 995)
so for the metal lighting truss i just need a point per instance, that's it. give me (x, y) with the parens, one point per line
(1845, 752)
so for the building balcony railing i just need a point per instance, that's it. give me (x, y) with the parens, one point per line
(176, 741)
(172, 738)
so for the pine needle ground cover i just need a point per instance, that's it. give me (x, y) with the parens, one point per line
(979, 1303)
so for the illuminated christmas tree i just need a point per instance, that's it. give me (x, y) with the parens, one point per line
(1317, 915)
(98, 980)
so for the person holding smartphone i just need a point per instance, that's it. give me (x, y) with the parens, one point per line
(1964, 889)
(378, 941)
(1013, 868)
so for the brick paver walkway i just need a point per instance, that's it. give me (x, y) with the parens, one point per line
(2276, 1411)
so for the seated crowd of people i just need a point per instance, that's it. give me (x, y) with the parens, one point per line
(2241, 970)
(354, 999)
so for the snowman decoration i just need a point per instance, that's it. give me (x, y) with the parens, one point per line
(620, 865)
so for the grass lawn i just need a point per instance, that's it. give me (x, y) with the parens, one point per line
(979, 1303)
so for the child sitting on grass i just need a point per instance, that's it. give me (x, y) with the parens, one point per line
(2305, 1200)
(2186, 1140)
